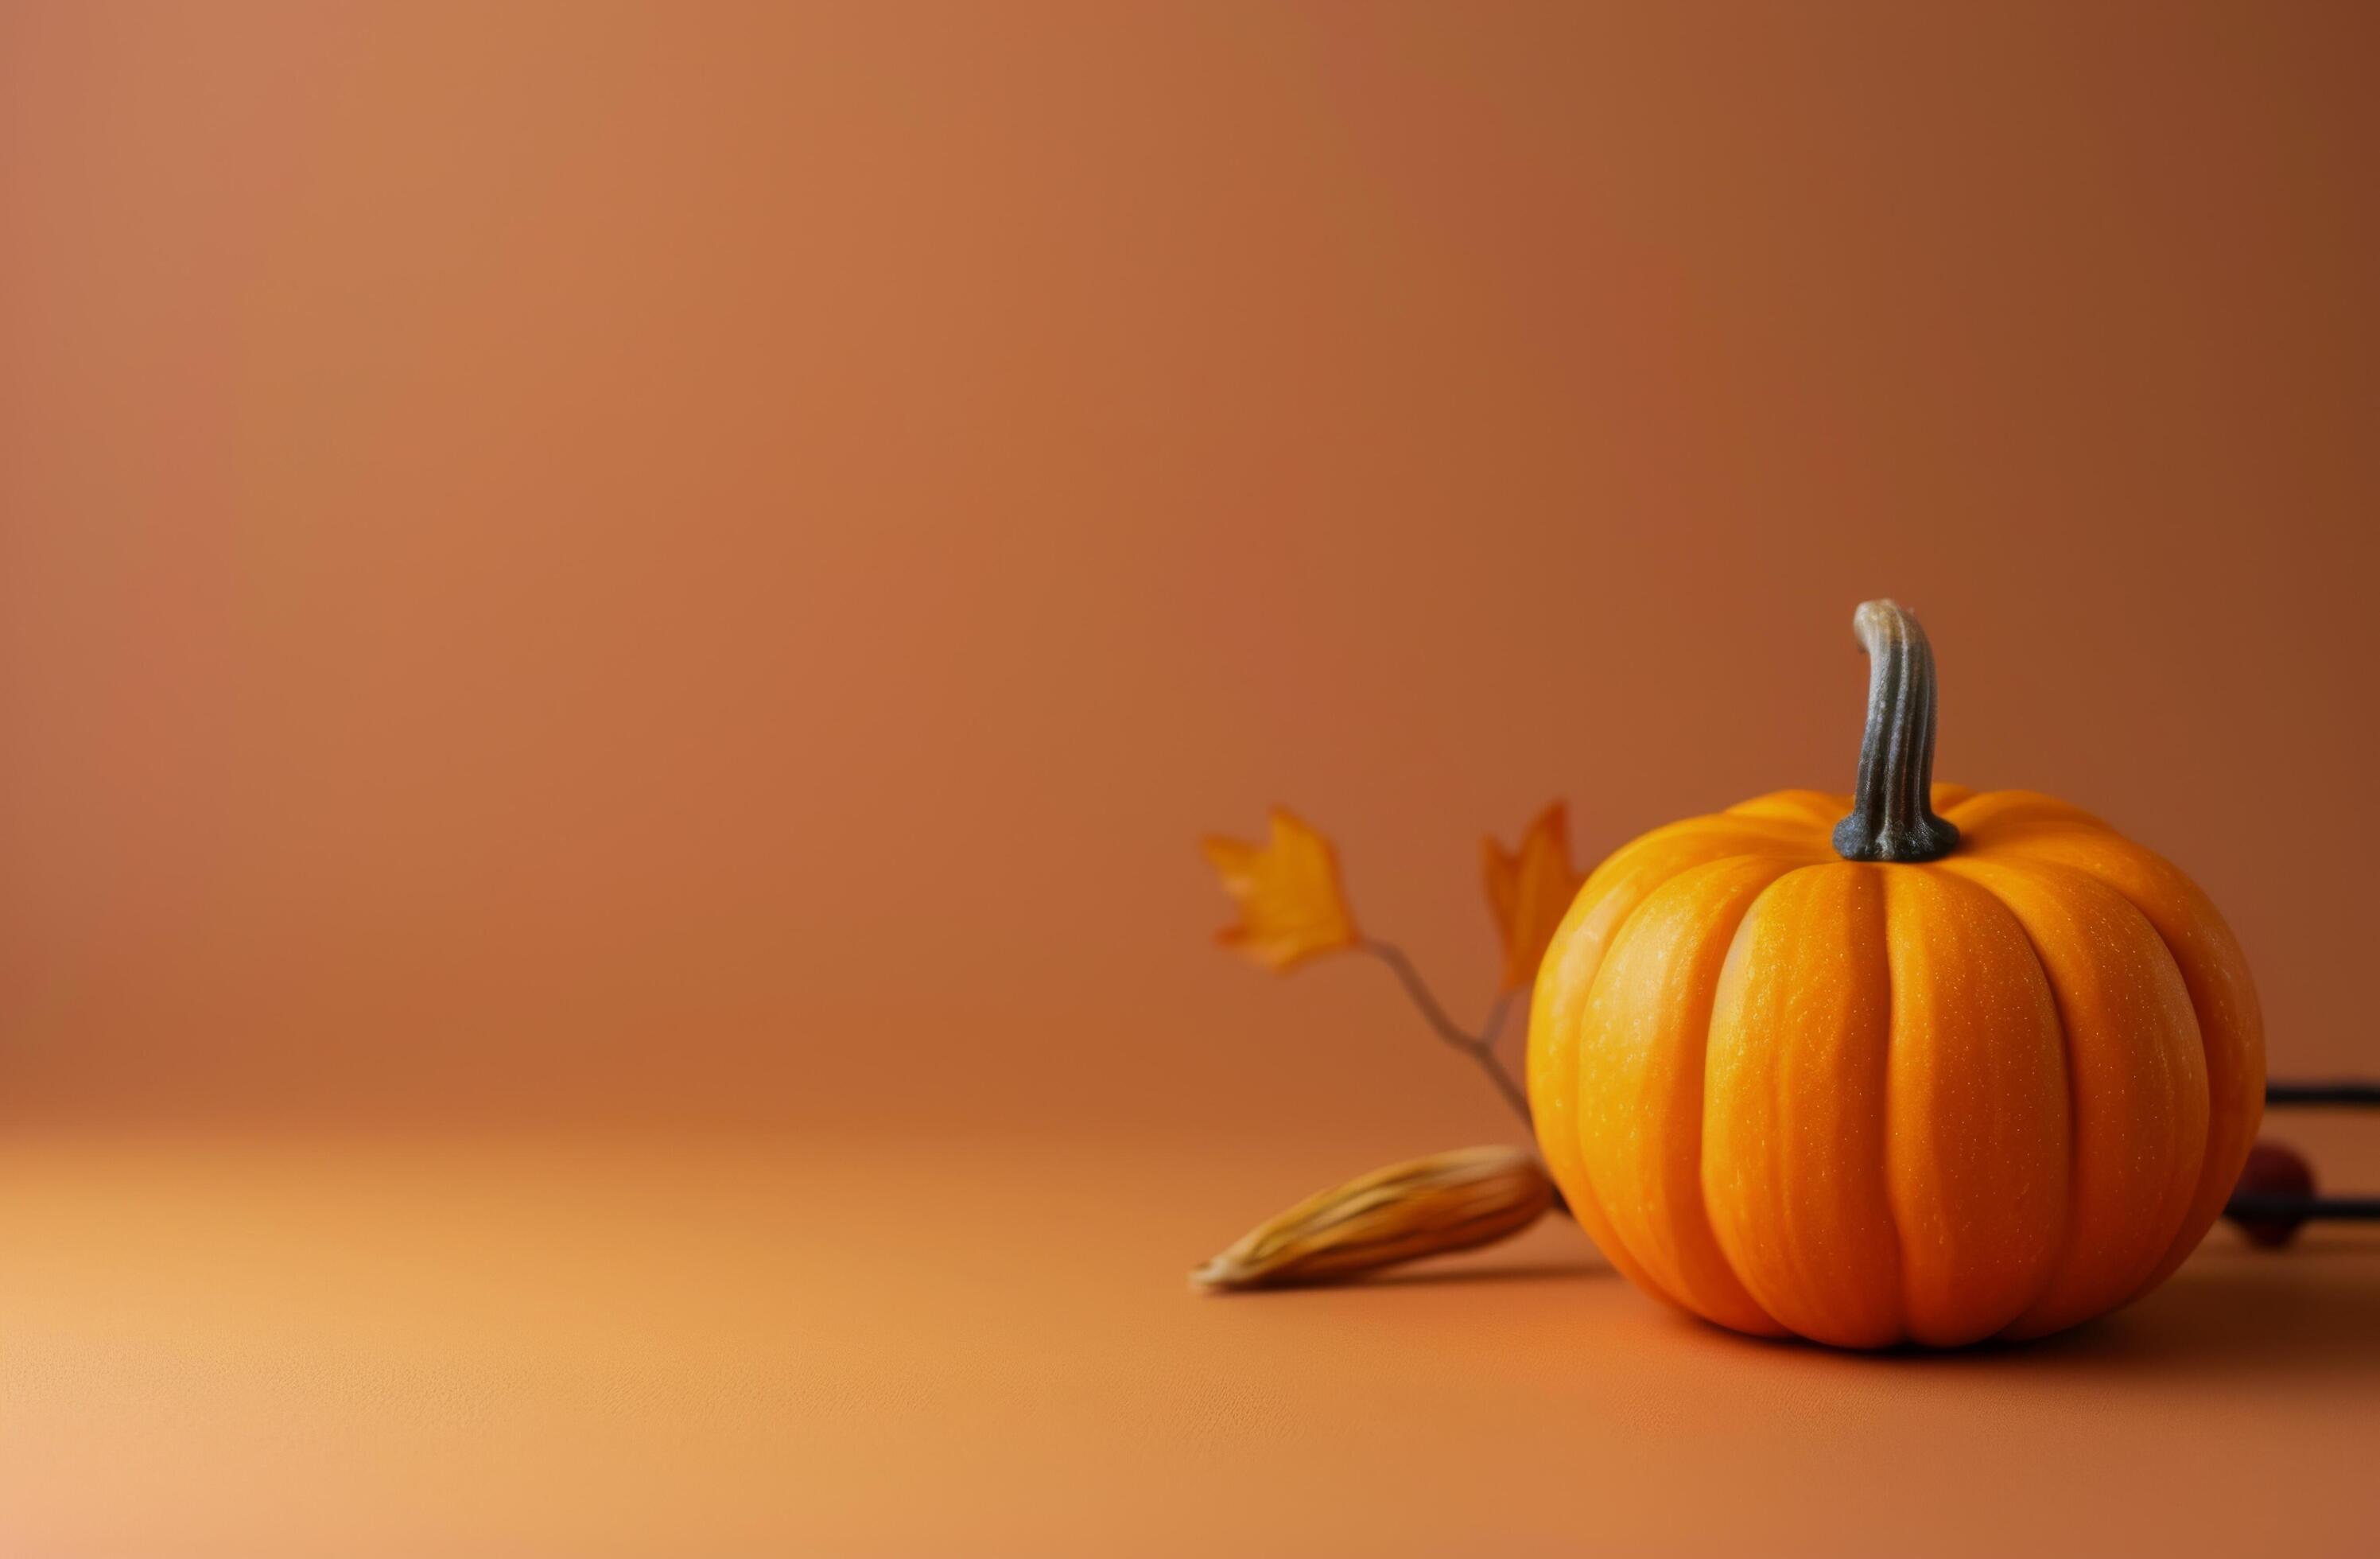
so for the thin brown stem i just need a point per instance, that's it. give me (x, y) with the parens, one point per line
(1480, 1047)
(1497, 1010)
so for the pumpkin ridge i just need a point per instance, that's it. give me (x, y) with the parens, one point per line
(2058, 880)
(1702, 1142)
(1988, 817)
(2215, 1180)
(1660, 1284)
(1586, 1203)
(1817, 809)
(1657, 1212)
(1764, 833)
(1771, 839)
(2216, 1169)
(2193, 1230)
(1883, 954)
(1709, 1027)
(2051, 1270)
(1940, 1061)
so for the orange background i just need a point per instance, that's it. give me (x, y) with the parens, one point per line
(605, 576)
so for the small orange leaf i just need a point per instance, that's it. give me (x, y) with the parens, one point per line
(1291, 906)
(1530, 891)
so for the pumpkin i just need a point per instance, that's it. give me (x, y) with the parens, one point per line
(1914, 1064)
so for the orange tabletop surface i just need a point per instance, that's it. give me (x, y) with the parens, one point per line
(874, 1346)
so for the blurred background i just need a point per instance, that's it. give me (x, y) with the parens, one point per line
(588, 564)
(608, 574)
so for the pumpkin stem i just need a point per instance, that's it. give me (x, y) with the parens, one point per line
(1892, 813)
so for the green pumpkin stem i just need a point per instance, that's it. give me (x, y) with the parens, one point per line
(1892, 813)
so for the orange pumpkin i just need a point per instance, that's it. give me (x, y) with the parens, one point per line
(1954, 1066)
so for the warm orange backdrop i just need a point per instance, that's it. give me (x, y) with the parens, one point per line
(578, 563)
(616, 623)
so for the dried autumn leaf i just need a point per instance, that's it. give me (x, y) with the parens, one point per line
(1291, 906)
(1448, 1202)
(1530, 891)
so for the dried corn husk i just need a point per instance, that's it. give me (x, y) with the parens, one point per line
(1426, 1207)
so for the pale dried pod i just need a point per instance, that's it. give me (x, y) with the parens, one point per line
(1449, 1201)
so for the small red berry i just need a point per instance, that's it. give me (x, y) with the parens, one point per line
(2274, 1169)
